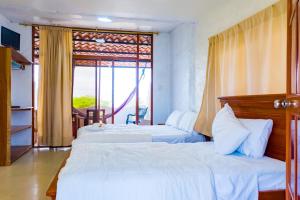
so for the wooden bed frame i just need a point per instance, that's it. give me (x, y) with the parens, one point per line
(255, 107)
(262, 107)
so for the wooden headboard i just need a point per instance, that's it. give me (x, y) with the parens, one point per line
(262, 107)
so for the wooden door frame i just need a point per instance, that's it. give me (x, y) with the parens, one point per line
(291, 95)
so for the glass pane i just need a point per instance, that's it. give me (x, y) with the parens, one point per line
(105, 77)
(144, 94)
(295, 139)
(295, 72)
(124, 93)
(84, 88)
(294, 175)
(292, 150)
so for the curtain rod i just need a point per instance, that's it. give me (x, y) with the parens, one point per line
(94, 29)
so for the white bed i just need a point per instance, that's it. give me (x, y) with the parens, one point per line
(134, 133)
(148, 171)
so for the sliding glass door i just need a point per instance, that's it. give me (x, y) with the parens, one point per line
(119, 87)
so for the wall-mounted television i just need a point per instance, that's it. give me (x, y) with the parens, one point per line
(10, 38)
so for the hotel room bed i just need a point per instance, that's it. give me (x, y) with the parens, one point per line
(134, 133)
(161, 171)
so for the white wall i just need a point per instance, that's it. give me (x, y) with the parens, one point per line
(188, 66)
(21, 82)
(182, 60)
(161, 77)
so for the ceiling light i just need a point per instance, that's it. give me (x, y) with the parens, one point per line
(104, 19)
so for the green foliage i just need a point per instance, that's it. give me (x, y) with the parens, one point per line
(88, 101)
(83, 102)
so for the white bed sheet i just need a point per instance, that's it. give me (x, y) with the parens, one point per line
(157, 130)
(164, 172)
(159, 133)
(130, 137)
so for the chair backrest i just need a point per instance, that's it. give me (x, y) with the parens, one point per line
(142, 112)
(94, 116)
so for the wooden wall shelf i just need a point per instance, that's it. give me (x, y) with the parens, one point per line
(18, 128)
(9, 153)
(21, 109)
(18, 151)
(19, 58)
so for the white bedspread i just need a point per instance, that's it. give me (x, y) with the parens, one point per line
(130, 137)
(155, 130)
(159, 133)
(159, 171)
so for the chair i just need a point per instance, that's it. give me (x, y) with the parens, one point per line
(94, 116)
(131, 119)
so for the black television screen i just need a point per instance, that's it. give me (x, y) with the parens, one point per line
(10, 38)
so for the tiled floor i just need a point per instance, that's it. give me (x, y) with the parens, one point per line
(29, 177)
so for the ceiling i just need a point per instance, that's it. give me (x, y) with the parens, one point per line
(138, 15)
(141, 15)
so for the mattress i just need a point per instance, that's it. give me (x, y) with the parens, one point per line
(165, 172)
(159, 133)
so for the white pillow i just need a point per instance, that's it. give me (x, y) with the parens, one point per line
(187, 121)
(227, 131)
(256, 143)
(173, 118)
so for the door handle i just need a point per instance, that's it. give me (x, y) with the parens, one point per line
(285, 104)
(277, 104)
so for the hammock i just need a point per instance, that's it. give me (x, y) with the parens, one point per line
(127, 100)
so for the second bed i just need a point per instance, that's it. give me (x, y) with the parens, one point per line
(178, 129)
